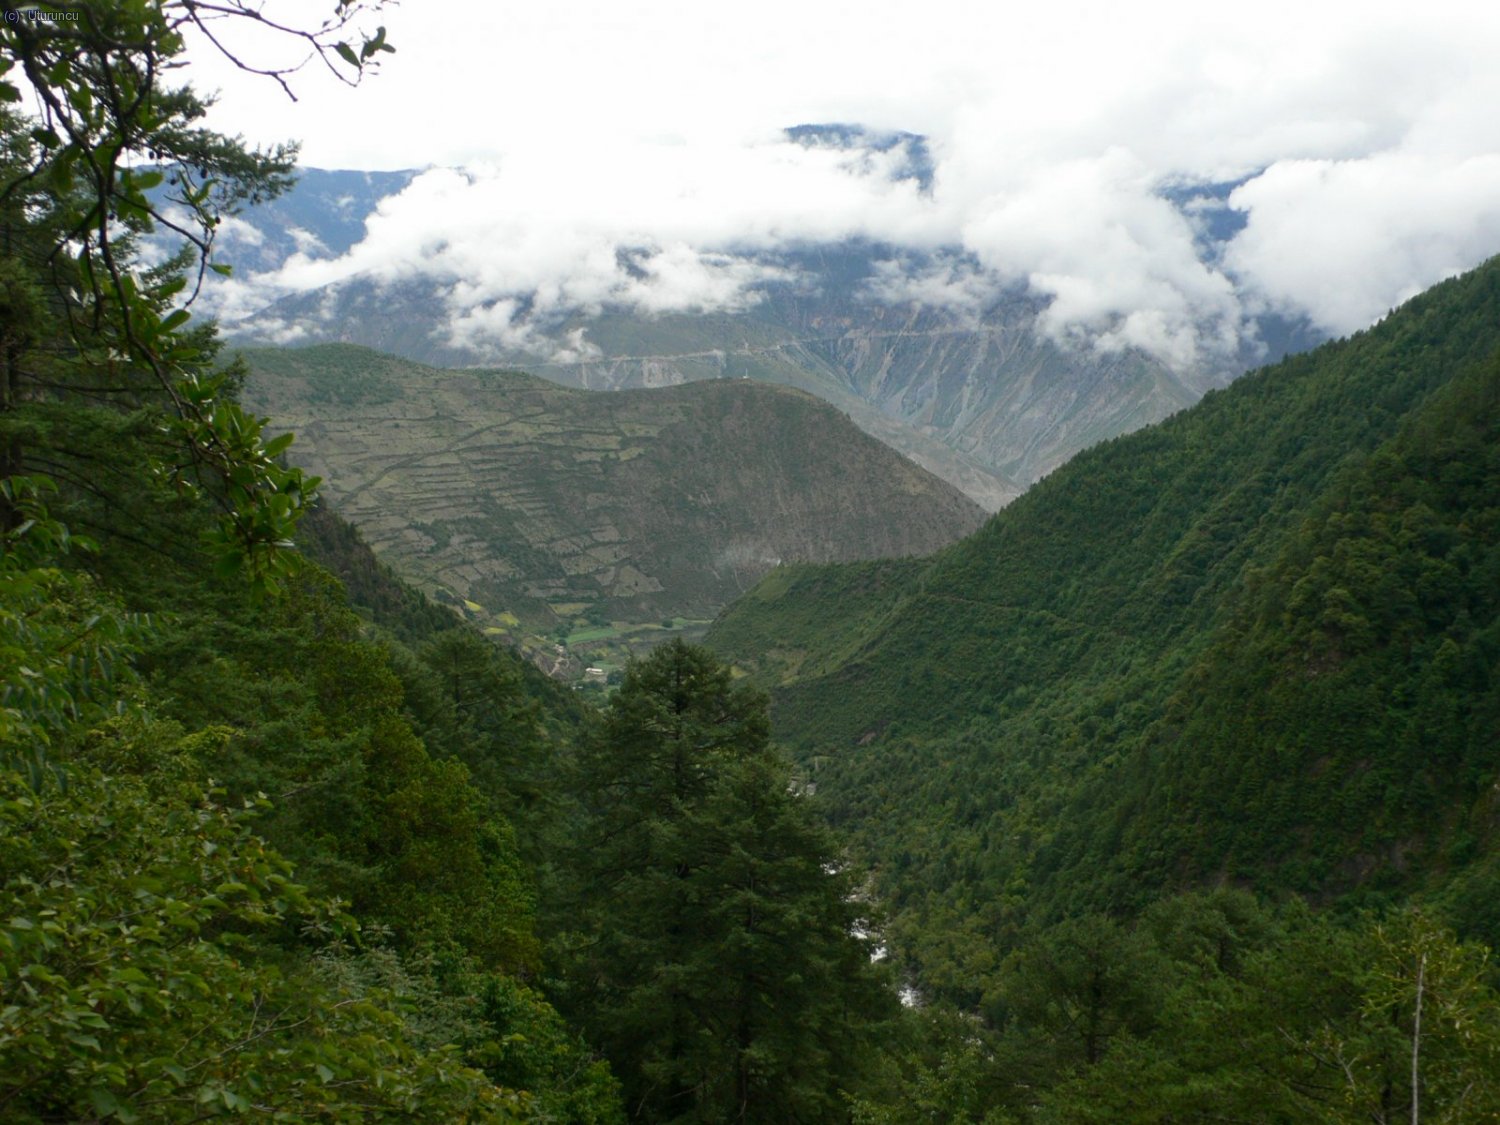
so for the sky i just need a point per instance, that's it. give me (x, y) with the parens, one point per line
(562, 138)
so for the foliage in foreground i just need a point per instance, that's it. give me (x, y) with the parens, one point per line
(140, 976)
(137, 983)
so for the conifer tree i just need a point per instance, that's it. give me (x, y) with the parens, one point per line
(718, 965)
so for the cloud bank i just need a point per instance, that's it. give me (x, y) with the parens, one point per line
(1365, 159)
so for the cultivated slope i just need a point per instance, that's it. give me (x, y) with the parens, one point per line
(979, 394)
(1258, 641)
(984, 401)
(557, 509)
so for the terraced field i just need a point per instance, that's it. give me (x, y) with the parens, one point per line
(578, 521)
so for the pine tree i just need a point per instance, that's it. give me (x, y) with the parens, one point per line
(717, 966)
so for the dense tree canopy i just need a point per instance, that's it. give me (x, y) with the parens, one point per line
(235, 879)
(718, 962)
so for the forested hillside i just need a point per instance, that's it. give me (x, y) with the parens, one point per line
(1253, 645)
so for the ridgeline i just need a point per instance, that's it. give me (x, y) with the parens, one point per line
(1252, 645)
(550, 514)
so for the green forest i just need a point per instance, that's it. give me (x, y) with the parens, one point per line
(1249, 652)
(1170, 795)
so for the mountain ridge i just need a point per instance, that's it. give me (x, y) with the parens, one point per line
(1079, 703)
(545, 510)
(972, 386)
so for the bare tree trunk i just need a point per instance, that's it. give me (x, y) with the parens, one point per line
(10, 446)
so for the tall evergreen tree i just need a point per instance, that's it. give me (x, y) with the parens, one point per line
(718, 966)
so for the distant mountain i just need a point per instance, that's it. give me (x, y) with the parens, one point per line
(1258, 643)
(917, 165)
(988, 403)
(323, 216)
(544, 510)
(980, 396)
(671, 349)
(995, 394)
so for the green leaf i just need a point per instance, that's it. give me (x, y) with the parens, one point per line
(106, 1104)
(80, 98)
(233, 1101)
(277, 446)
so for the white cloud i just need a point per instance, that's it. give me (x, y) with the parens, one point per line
(234, 228)
(631, 155)
(947, 280)
(307, 242)
(1345, 241)
(1117, 261)
(653, 228)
